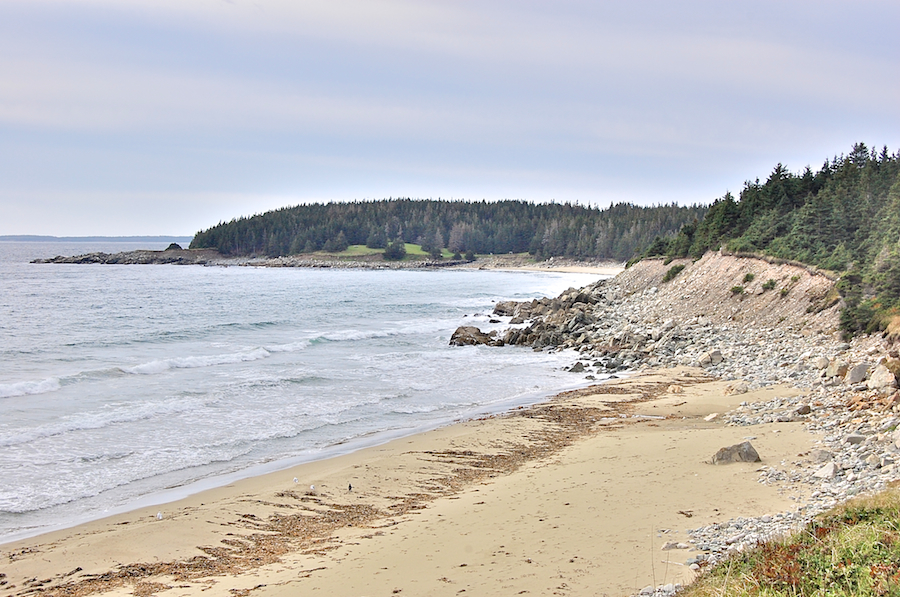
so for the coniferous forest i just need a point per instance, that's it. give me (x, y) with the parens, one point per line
(544, 230)
(845, 218)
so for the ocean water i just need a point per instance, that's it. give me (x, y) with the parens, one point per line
(122, 386)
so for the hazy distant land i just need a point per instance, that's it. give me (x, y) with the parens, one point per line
(92, 239)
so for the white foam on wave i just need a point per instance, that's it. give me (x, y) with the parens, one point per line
(416, 409)
(290, 347)
(104, 418)
(401, 328)
(350, 335)
(29, 388)
(158, 366)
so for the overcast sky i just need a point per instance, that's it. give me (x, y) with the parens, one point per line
(121, 117)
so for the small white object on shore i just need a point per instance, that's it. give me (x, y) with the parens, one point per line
(159, 516)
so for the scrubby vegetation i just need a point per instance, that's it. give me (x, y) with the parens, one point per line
(672, 272)
(844, 217)
(395, 250)
(850, 551)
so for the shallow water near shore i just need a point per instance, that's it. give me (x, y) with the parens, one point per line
(122, 382)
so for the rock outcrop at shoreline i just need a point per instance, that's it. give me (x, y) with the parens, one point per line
(695, 319)
(171, 255)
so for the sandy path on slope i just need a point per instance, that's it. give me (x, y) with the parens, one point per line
(569, 497)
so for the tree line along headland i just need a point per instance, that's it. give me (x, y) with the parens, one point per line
(543, 230)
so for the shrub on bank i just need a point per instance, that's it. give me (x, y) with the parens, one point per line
(849, 551)
(673, 271)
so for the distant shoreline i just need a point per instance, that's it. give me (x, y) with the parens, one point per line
(91, 239)
(210, 257)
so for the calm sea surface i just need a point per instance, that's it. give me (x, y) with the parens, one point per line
(127, 385)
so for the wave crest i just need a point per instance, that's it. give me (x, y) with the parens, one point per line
(158, 366)
(28, 388)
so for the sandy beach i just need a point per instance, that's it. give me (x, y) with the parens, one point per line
(560, 265)
(573, 496)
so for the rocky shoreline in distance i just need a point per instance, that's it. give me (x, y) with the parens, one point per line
(176, 256)
(211, 257)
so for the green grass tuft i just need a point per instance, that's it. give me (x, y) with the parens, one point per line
(851, 551)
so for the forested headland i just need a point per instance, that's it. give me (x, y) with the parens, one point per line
(845, 217)
(542, 229)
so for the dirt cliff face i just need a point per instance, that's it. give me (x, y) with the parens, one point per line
(675, 313)
(743, 290)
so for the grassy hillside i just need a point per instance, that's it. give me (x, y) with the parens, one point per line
(412, 251)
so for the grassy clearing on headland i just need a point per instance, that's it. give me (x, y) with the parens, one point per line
(851, 550)
(412, 251)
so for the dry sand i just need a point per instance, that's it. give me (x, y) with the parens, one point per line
(602, 270)
(569, 497)
(561, 265)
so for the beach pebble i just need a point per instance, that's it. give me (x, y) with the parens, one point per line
(826, 472)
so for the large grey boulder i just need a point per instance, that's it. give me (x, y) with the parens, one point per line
(711, 358)
(742, 452)
(857, 373)
(468, 335)
(506, 308)
(882, 380)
